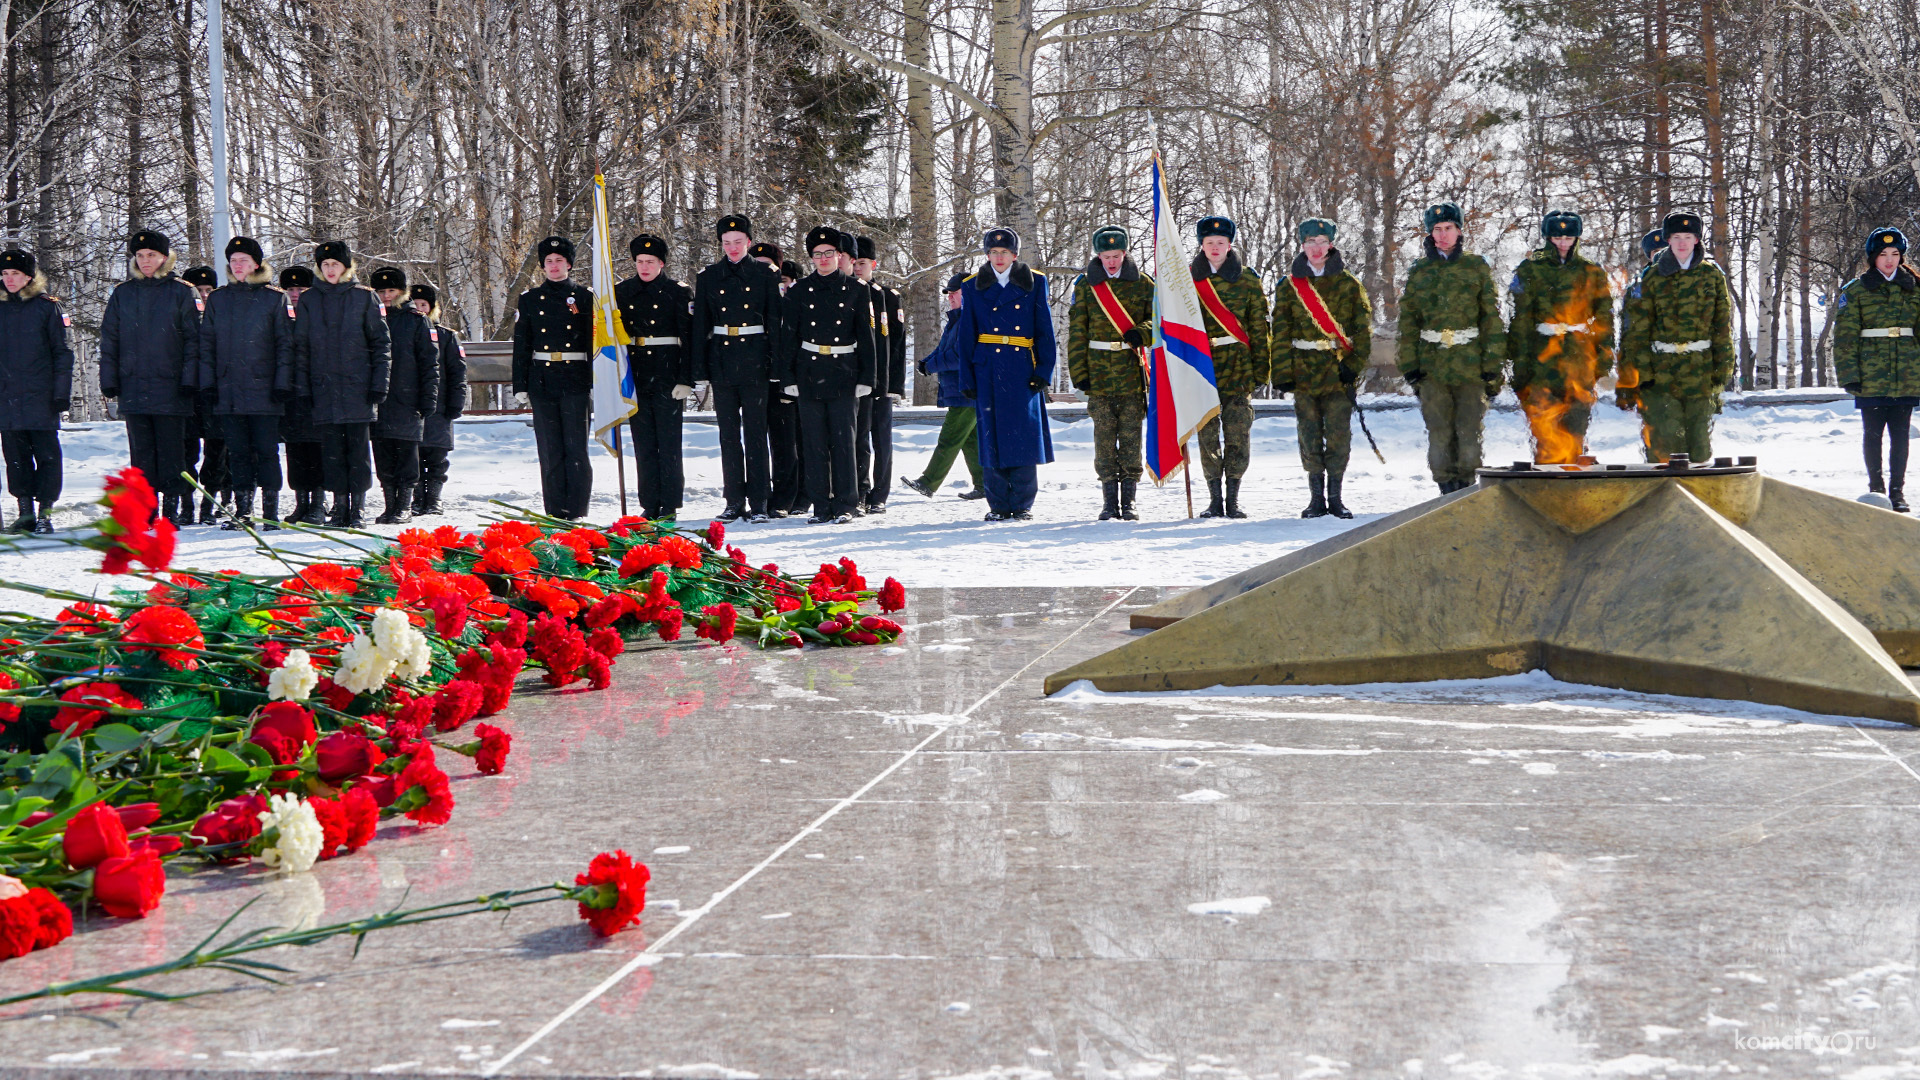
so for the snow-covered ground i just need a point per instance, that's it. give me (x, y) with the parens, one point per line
(942, 542)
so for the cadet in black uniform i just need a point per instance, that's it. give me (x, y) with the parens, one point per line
(297, 432)
(553, 366)
(873, 433)
(826, 357)
(783, 419)
(149, 351)
(36, 386)
(206, 443)
(341, 359)
(736, 314)
(657, 312)
(436, 439)
(413, 393)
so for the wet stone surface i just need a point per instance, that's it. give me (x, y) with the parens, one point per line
(1514, 877)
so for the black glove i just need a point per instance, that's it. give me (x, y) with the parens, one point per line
(109, 391)
(1851, 388)
(1283, 386)
(1626, 398)
(1135, 338)
(1036, 384)
(1413, 377)
(1348, 376)
(280, 397)
(921, 367)
(971, 396)
(61, 405)
(1492, 383)
(376, 397)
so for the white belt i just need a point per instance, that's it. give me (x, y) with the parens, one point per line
(1109, 346)
(647, 341)
(1447, 339)
(1322, 345)
(828, 350)
(1682, 346)
(1555, 329)
(738, 331)
(1228, 340)
(1889, 331)
(565, 357)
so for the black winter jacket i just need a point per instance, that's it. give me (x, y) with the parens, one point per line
(150, 346)
(341, 352)
(454, 395)
(657, 309)
(36, 365)
(414, 383)
(246, 349)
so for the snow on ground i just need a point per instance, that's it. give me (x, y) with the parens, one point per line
(942, 542)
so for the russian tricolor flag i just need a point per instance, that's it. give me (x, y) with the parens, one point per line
(1181, 392)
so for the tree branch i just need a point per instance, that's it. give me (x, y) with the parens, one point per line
(811, 19)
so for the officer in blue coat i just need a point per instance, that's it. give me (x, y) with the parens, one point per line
(1005, 339)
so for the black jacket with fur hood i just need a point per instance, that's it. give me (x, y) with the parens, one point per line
(341, 351)
(150, 345)
(246, 348)
(36, 365)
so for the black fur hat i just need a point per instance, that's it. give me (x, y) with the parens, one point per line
(1682, 222)
(648, 244)
(296, 277)
(739, 223)
(150, 240)
(1216, 226)
(16, 259)
(336, 250)
(424, 291)
(555, 245)
(247, 245)
(388, 277)
(822, 234)
(1886, 237)
(764, 250)
(863, 247)
(201, 275)
(1001, 237)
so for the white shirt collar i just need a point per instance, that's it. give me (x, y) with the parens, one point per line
(1318, 271)
(1003, 276)
(1688, 265)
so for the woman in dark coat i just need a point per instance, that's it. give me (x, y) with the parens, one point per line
(341, 354)
(36, 386)
(436, 437)
(302, 439)
(149, 342)
(246, 370)
(413, 383)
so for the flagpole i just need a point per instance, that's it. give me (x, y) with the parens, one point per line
(1186, 467)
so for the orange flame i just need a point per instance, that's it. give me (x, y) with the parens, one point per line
(1573, 355)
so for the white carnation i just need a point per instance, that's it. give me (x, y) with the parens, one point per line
(293, 680)
(292, 833)
(402, 644)
(363, 668)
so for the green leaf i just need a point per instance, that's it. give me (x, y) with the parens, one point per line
(117, 738)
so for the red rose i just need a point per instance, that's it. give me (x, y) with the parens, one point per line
(89, 704)
(861, 637)
(236, 821)
(612, 892)
(31, 919)
(879, 625)
(893, 596)
(93, 836)
(285, 729)
(159, 845)
(494, 747)
(344, 755)
(138, 815)
(129, 886)
(422, 792)
(335, 696)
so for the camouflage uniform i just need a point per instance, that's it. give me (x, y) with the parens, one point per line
(1111, 377)
(1678, 350)
(1322, 380)
(1877, 356)
(1551, 369)
(1237, 369)
(1443, 296)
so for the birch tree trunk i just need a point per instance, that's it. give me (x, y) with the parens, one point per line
(923, 287)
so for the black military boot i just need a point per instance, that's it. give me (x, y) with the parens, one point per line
(1233, 500)
(1214, 508)
(356, 509)
(269, 510)
(242, 510)
(391, 511)
(23, 523)
(427, 502)
(1875, 483)
(300, 506)
(1897, 495)
(341, 510)
(316, 508)
(1334, 505)
(1317, 489)
(731, 514)
(182, 513)
(206, 509)
(1127, 490)
(1110, 500)
(43, 525)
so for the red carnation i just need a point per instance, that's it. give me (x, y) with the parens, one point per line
(326, 578)
(94, 835)
(168, 632)
(9, 712)
(716, 535)
(236, 821)
(495, 744)
(88, 704)
(422, 792)
(507, 561)
(893, 596)
(599, 671)
(514, 634)
(129, 528)
(30, 919)
(509, 534)
(129, 886)
(130, 500)
(449, 615)
(348, 821)
(607, 643)
(457, 702)
(850, 576)
(718, 622)
(612, 892)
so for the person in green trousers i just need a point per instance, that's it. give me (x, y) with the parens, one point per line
(958, 436)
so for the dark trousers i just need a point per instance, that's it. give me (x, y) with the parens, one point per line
(396, 462)
(826, 437)
(873, 446)
(560, 436)
(345, 457)
(742, 413)
(303, 467)
(433, 465)
(156, 445)
(783, 445)
(656, 453)
(1012, 490)
(33, 465)
(205, 447)
(1897, 422)
(253, 452)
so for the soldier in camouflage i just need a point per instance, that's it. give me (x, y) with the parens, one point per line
(1453, 346)
(1877, 356)
(1242, 359)
(1321, 365)
(1626, 394)
(1561, 333)
(1678, 348)
(1103, 359)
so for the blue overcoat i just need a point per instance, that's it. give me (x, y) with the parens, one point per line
(999, 378)
(944, 361)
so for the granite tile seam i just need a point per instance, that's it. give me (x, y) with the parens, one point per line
(653, 953)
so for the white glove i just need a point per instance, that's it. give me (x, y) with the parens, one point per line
(790, 391)
(682, 392)
(896, 398)
(861, 390)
